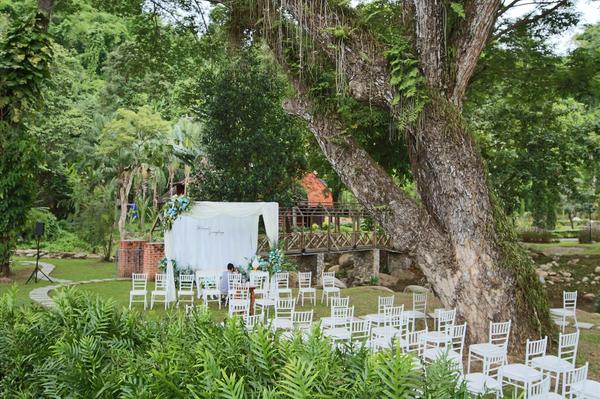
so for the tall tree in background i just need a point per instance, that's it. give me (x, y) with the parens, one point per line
(419, 69)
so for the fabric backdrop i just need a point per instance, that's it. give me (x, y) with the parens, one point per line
(214, 234)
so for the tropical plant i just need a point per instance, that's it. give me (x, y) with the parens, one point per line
(87, 347)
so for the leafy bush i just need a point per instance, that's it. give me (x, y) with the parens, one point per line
(566, 233)
(91, 348)
(536, 235)
(584, 236)
(52, 227)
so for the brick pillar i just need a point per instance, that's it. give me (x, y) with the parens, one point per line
(154, 252)
(130, 257)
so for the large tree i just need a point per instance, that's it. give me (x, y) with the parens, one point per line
(457, 233)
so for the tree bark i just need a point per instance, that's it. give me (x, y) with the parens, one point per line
(124, 185)
(458, 236)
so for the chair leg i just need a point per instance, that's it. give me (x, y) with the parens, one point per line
(145, 302)
(322, 296)
(469, 362)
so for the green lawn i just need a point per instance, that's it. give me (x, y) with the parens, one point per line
(566, 248)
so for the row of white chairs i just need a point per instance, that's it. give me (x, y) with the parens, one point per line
(208, 288)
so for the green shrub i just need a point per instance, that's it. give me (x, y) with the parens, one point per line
(584, 236)
(566, 233)
(91, 348)
(536, 235)
(52, 227)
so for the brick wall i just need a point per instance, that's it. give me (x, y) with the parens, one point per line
(130, 257)
(154, 252)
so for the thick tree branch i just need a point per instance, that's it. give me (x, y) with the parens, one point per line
(530, 19)
(429, 34)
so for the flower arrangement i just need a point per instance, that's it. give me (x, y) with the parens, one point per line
(162, 265)
(275, 262)
(175, 206)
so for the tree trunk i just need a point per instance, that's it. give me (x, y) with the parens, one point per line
(124, 185)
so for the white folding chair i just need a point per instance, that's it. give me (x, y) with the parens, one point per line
(233, 279)
(393, 329)
(139, 288)
(339, 301)
(305, 288)
(541, 390)
(360, 330)
(499, 335)
(486, 382)
(260, 281)
(574, 381)
(336, 303)
(251, 322)
(442, 336)
(303, 320)
(283, 289)
(329, 288)
(239, 308)
(557, 366)
(383, 302)
(339, 328)
(210, 290)
(186, 289)
(159, 293)
(454, 351)
(419, 309)
(569, 309)
(199, 277)
(284, 309)
(519, 375)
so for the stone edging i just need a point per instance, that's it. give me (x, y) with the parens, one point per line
(40, 294)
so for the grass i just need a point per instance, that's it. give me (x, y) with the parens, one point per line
(20, 274)
(566, 247)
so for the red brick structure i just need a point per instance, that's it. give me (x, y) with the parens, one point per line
(316, 190)
(130, 257)
(154, 252)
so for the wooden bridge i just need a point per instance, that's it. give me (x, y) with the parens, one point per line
(309, 228)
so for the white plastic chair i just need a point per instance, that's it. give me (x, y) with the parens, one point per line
(339, 301)
(239, 308)
(210, 290)
(419, 309)
(139, 288)
(499, 335)
(305, 288)
(383, 302)
(252, 322)
(520, 375)
(442, 336)
(392, 330)
(569, 309)
(339, 327)
(260, 280)
(186, 289)
(283, 285)
(159, 293)
(454, 351)
(574, 381)
(336, 303)
(541, 390)
(284, 309)
(233, 279)
(557, 366)
(303, 320)
(360, 330)
(487, 381)
(329, 288)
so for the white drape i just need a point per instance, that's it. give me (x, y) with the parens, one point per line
(213, 234)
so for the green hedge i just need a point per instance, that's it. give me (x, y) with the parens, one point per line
(92, 348)
(537, 236)
(584, 236)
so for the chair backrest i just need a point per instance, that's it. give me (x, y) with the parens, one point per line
(341, 316)
(304, 279)
(139, 281)
(384, 302)
(419, 300)
(415, 341)
(492, 363)
(233, 278)
(535, 349)
(339, 301)
(303, 320)
(539, 388)
(284, 308)
(259, 280)
(458, 338)
(283, 279)
(208, 282)
(186, 281)
(567, 346)
(239, 291)
(252, 321)
(328, 279)
(240, 308)
(446, 320)
(161, 282)
(500, 333)
(570, 300)
(360, 329)
(574, 377)
(394, 317)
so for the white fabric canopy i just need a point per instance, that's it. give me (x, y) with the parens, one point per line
(214, 234)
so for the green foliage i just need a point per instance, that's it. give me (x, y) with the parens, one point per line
(253, 148)
(587, 237)
(86, 347)
(52, 227)
(536, 235)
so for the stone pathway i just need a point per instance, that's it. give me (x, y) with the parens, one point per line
(40, 295)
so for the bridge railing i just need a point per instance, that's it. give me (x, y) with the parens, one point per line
(327, 241)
